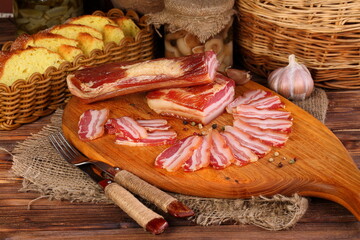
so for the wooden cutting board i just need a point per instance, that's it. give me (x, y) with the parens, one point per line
(323, 167)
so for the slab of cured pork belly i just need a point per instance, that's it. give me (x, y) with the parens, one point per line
(221, 155)
(114, 79)
(200, 157)
(269, 137)
(199, 104)
(176, 155)
(91, 124)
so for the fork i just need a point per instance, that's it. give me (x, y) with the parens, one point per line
(133, 183)
(144, 216)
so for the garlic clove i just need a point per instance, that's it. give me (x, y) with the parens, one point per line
(293, 81)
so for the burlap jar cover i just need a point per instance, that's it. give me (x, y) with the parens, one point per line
(44, 171)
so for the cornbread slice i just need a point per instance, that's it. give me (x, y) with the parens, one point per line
(128, 26)
(88, 43)
(112, 34)
(97, 22)
(72, 30)
(69, 52)
(21, 64)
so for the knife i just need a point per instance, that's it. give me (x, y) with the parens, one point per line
(145, 217)
(136, 185)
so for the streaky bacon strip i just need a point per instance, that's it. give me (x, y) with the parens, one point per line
(246, 98)
(91, 124)
(246, 140)
(154, 124)
(155, 138)
(269, 137)
(243, 155)
(200, 103)
(174, 157)
(127, 127)
(271, 102)
(200, 157)
(282, 125)
(220, 153)
(252, 112)
(105, 81)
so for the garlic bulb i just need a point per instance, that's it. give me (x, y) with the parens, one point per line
(293, 81)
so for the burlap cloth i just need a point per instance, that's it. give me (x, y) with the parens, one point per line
(45, 172)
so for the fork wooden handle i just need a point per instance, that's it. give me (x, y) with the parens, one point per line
(164, 201)
(144, 216)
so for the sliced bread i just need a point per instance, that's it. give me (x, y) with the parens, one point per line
(128, 26)
(112, 34)
(97, 22)
(21, 64)
(88, 43)
(72, 30)
(69, 52)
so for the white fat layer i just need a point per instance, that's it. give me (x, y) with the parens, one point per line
(163, 67)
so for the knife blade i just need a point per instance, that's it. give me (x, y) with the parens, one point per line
(138, 186)
(145, 217)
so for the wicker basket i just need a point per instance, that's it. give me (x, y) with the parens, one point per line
(324, 35)
(41, 94)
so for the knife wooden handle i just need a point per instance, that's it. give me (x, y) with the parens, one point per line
(144, 216)
(164, 201)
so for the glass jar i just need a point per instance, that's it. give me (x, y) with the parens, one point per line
(182, 43)
(32, 16)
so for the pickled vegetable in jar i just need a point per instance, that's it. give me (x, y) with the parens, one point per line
(195, 26)
(32, 16)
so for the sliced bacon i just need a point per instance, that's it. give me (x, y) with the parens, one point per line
(199, 104)
(246, 98)
(201, 156)
(175, 156)
(154, 124)
(220, 153)
(270, 102)
(269, 137)
(246, 140)
(91, 124)
(243, 155)
(155, 138)
(126, 127)
(252, 112)
(105, 81)
(282, 125)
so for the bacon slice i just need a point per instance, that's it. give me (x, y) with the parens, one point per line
(246, 98)
(282, 125)
(155, 138)
(246, 140)
(154, 124)
(243, 155)
(114, 79)
(91, 124)
(252, 112)
(199, 104)
(201, 156)
(269, 137)
(220, 153)
(175, 156)
(126, 127)
(271, 102)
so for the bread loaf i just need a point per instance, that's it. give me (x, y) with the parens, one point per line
(112, 34)
(128, 26)
(88, 43)
(21, 64)
(69, 52)
(97, 22)
(72, 30)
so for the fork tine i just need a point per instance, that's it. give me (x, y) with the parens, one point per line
(58, 147)
(63, 147)
(73, 150)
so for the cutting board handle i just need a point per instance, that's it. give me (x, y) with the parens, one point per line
(344, 190)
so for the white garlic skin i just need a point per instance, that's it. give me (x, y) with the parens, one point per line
(293, 81)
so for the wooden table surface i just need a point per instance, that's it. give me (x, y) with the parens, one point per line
(64, 220)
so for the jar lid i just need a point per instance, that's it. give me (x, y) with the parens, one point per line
(202, 18)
